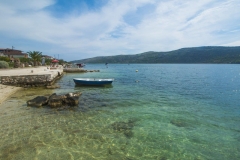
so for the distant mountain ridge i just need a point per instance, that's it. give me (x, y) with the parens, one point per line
(206, 54)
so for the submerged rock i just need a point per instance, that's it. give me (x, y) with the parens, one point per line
(124, 127)
(179, 123)
(121, 126)
(38, 101)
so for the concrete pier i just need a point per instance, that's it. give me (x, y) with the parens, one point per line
(30, 77)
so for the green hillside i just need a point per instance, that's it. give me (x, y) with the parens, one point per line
(185, 55)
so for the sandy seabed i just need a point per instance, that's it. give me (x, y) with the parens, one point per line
(6, 91)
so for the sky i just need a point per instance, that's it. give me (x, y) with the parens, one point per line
(79, 29)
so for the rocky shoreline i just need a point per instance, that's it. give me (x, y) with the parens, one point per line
(13, 80)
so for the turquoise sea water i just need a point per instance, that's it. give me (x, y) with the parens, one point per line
(163, 111)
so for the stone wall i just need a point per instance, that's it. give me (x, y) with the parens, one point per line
(27, 80)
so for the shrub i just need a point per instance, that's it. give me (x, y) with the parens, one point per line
(2, 58)
(11, 64)
(4, 64)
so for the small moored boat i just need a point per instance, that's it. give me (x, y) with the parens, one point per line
(80, 65)
(92, 81)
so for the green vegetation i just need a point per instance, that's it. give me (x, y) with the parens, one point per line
(35, 59)
(11, 64)
(185, 55)
(3, 58)
(4, 64)
(36, 56)
(48, 61)
(24, 60)
(62, 62)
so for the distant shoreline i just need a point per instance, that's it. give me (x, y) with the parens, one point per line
(194, 55)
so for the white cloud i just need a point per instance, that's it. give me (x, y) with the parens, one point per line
(236, 43)
(171, 25)
(27, 4)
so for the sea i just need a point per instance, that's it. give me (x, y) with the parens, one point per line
(150, 112)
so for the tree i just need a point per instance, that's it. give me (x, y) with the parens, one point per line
(24, 60)
(48, 61)
(61, 61)
(36, 56)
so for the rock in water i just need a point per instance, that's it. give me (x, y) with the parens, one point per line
(72, 98)
(55, 100)
(38, 101)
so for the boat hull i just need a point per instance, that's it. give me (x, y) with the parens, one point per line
(91, 81)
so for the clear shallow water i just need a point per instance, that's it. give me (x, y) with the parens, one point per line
(160, 112)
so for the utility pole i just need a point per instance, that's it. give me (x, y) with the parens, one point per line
(12, 47)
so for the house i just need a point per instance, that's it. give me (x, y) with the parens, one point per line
(12, 53)
(47, 57)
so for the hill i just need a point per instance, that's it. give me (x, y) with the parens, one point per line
(209, 54)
